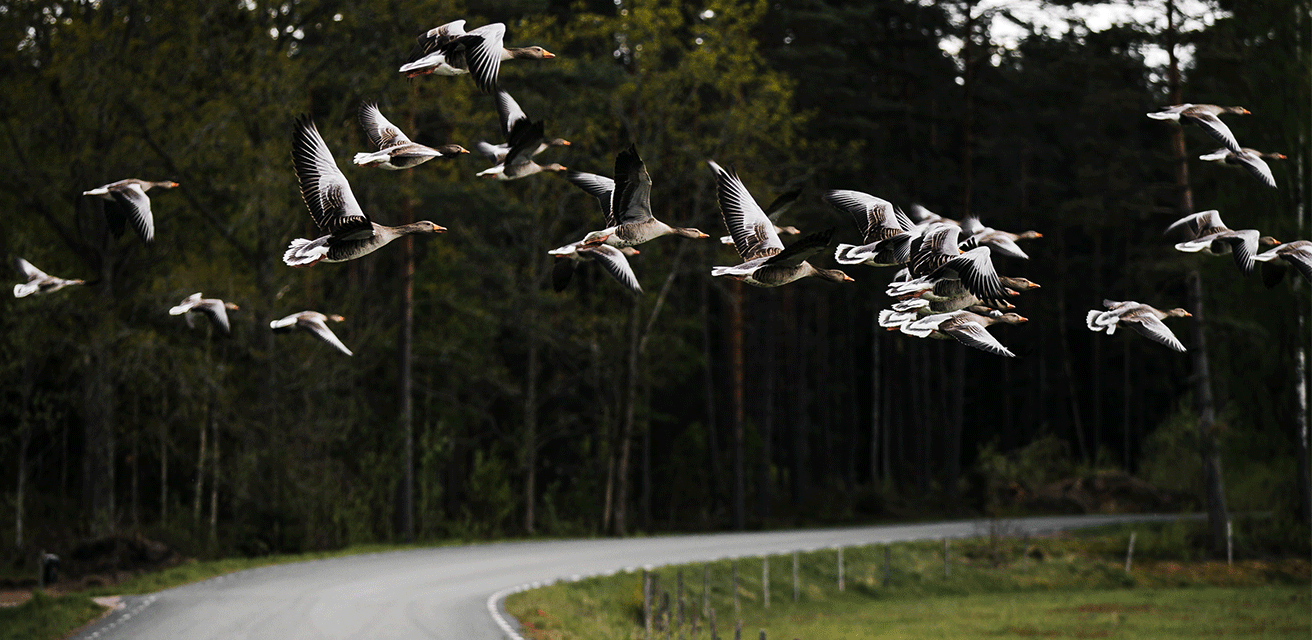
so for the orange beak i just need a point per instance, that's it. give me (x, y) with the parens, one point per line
(547, 54)
(847, 278)
(1024, 319)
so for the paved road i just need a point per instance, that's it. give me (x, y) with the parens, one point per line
(455, 592)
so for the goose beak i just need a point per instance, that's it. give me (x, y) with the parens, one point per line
(1281, 156)
(1247, 112)
(847, 278)
(566, 143)
(547, 54)
(702, 235)
(1188, 315)
(439, 229)
(1023, 319)
(892, 328)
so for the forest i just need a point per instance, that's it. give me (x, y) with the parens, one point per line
(479, 402)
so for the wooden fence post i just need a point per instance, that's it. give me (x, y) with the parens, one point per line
(679, 579)
(646, 602)
(840, 568)
(946, 564)
(737, 609)
(715, 634)
(706, 590)
(1229, 544)
(1129, 553)
(794, 576)
(665, 613)
(1025, 553)
(738, 630)
(765, 581)
(888, 551)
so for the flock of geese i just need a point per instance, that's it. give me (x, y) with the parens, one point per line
(947, 288)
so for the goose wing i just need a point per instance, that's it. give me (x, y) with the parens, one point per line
(383, 134)
(1198, 222)
(1243, 244)
(753, 232)
(872, 214)
(30, 272)
(134, 205)
(799, 251)
(973, 334)
(319, 329)
(323, 186)
(975, 268)
(1301, 258)
(436, 38)
(1153, 328)
(631, 200)
(484, 47)
(509, 112)
(186, 305)
(217, 312)
(1214, 127)
(782, 204)
(599, 187)
(614, 262)
(1256, 167)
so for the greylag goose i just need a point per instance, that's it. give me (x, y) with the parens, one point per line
(1250, 159)
(129, 203)
(38, 281)
(314, 322)
(766, 263)
(1001, 242)
(524, 139)
(629, 221)
(510, 114)
(1211, 235)
(449, 50)
(1297, 253)
(1138, 316)
(351, 234)
(216, 309)
(1205, 116)
(922, 216)
(967, 326)
(778, 207)
(613, 260)
(395, 150)
(879, 221)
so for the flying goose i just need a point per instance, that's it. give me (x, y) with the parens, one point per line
(778, 207)
(1138, 316)
(1205, 116)
(966, 326)
(1211, 235)
(351, 234)
(395, 150)
(1297, 253)
(766, 263)
(129, 203)
(216, 309)
(1000, 242)
(314, 322)
(879, 222)
(1250, 159)
(939, 257)
(509, 114)
(524, 139)
(611, 259)
(38, 281)
(629, 221)
(450, 51)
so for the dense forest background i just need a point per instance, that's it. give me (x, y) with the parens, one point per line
(698, 405)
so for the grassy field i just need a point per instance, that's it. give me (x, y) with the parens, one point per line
(1064, 587)
(47, 617)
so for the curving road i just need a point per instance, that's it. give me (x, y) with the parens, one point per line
(455, 592)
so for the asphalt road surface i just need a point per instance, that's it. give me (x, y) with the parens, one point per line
(455, 592)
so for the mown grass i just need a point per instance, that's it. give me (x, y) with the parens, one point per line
(1069, 586)
(47, 616)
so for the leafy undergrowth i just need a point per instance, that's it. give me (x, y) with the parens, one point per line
(47, 616)
(1061, 587)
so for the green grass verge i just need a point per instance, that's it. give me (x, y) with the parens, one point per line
(1072, 586)
(46, 616)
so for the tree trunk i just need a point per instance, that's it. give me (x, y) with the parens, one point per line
(626, 433)
(955, 419)
(200, 467)
(875, 398)
(769, 346)
(737, 375)
(708, 383)
(164, 461)
(1204, 405)
(405, 349)
(214, 488)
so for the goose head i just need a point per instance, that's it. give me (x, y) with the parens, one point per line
(1178, 313)
(531, 52)
(451, 149)
(833, 275)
